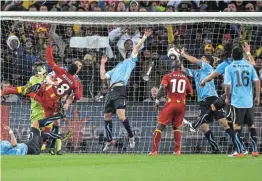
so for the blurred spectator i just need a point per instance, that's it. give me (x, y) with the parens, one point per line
(231, 7)
(259, 5)
(7, 98)
(96, 9)
(208, 50)
(32, 8)
(43, 8)
(240, 4)
(121, 7)
(250, 7)
(152, 97)
(133, 6)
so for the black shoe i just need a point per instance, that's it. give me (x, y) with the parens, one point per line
(215, 152)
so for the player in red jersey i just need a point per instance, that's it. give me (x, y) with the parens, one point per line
(49, 95)
(177, 87)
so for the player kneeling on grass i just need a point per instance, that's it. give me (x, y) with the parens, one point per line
(177, 86)
(32, 147)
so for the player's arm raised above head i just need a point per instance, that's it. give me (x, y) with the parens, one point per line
(141, 41)
(246, 48)
(50, 58)
(188, 57)
(102, 67)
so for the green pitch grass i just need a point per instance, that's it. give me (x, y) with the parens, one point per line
(85, 167)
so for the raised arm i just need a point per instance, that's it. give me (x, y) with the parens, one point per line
(141, 41)
(246, 48)
(50, 59)
(258, 90)
(102, 67)
(11, 133)
(188, 57)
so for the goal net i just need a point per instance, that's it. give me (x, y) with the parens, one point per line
(87, 36)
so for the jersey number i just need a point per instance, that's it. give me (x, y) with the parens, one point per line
(178, 86)
(62, 88)
(242, 78)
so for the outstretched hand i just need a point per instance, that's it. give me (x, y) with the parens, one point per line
(148, 32)
(6, 127)
(104, 59)
(246, 47)
(182, 51)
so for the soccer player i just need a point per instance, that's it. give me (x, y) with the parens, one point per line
(54, 128)
(32, 147)
(206, 97)
(116, 97)
(239, 76)
(220, 103)
(49, 95)
(177, 87)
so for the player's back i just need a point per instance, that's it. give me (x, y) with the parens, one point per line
(242, 75)
(178, 86)
(66, 82)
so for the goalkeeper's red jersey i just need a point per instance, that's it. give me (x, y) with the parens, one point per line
(178, 86)
(67, 82)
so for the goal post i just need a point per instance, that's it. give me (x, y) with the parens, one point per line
(87, 36)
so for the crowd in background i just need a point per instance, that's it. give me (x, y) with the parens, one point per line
(133, 5)
(24, 43)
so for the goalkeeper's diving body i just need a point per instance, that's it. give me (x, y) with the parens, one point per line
(116, 97)
(207, 95)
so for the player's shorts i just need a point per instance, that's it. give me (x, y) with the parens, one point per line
(220, 103)
(115, 99)
(34, 143)
(229, 112)
(242, 116)
(204, 106)
(172, 112)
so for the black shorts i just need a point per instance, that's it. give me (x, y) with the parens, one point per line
(242, 116)
(115, 99)
(228, 112)
(220, 103)
(204, 106)
(34, 143)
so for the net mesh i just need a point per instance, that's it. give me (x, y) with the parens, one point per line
(198, 35)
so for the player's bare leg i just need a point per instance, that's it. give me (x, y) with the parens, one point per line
(121, 113)
(156, 139)
(210, 137)
(253, 138)
(177, 141)
(108, 129)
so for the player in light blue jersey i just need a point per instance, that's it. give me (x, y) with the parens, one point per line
(12, 148)
(116, 97)
(33, 145)
(238, 80)
(220, 103)
(207, 95)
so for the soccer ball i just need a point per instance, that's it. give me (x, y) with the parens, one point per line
(173, 54)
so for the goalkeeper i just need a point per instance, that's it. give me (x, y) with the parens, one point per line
(37, 111)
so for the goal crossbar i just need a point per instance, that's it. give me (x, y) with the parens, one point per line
(134, 18)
